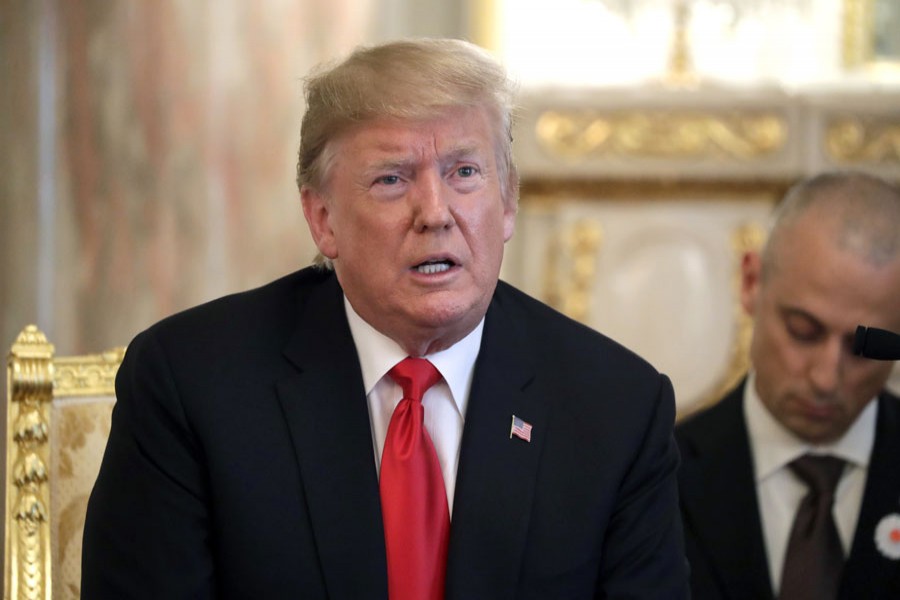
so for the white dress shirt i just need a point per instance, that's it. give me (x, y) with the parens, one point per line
(779, 491)
(444, 403)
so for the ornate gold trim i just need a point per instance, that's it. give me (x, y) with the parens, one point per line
(29, 394)
(681, 63)
(747, 238)
(34, 378)
(550, 191)
(88, 375)
(482, 21)
(661, 134)
(577, 246)
(858, 33)
(868, 139)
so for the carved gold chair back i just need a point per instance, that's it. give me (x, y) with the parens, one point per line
(58, 419)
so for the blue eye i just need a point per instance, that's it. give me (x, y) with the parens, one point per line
(466, 171)
(388, 179)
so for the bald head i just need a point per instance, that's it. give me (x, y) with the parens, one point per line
(832, 263)
(860, 213)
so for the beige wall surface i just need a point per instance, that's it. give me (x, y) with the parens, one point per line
(147, 151)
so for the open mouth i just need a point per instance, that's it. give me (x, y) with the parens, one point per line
(431, 267)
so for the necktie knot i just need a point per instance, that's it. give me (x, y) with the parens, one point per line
(414, 376)
(819, 473)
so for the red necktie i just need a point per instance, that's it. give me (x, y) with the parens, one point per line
(413, 499)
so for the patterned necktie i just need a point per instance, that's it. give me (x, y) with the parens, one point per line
(413, 499)
(814, 558)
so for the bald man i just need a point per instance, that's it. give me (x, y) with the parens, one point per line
(832, 262)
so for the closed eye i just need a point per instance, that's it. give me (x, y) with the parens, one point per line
(803, 327)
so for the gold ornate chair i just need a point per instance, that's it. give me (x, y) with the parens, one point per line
(58, 420)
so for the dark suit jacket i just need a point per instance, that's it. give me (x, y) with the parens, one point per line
(723, 533)
(241, 462)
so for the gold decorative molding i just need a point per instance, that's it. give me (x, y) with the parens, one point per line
(34, 378)
(870, 139)
(681, 64)
(88, 375)
(661, 134)
(29, 394)
(746, 238)
(865, 25)
(576, 246)
(483, 17)
(858, 33)
(550, 192)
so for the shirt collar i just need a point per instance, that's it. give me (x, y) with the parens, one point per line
(774, 446)
(379, 353)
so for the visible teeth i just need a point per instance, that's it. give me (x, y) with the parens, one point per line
(432, 268)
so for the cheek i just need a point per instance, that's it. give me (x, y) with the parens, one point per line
(770, 343)
(868, 379)
(369, 232)
(781, 364)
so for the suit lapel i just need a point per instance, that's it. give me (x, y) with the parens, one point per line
(496, 476)
(327, 414)
(867, 569)
(719, 500)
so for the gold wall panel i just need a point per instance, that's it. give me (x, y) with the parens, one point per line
(864, 139)
(661, 134)
(576, 247)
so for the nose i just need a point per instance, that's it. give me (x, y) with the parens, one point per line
(431, 201)
(826, 366)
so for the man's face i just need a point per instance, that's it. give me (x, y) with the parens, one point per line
(413, 218)
(806, 314)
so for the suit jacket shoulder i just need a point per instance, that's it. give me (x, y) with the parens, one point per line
(723, 534)
(562, 341)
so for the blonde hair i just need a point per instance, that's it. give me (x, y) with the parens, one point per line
(410, 79)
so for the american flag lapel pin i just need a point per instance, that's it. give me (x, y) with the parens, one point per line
(521, 429)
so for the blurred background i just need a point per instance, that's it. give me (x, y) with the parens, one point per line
(147, 150)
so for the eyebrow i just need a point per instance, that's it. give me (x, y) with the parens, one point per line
(793, 311)
(453, 154)
(460, 151)
(391, 164)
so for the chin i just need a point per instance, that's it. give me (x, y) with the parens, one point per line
(445, 313)
(817, 433)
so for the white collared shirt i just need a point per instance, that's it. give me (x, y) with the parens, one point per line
(779, 491)
(444, 403)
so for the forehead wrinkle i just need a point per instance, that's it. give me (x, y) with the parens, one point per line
(461, 150)
(392, 163)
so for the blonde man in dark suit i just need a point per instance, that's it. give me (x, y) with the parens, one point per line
(251, 433)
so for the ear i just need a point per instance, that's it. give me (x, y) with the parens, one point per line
(510, 205)
(317, 212)
(509, 224)
(751, 279)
